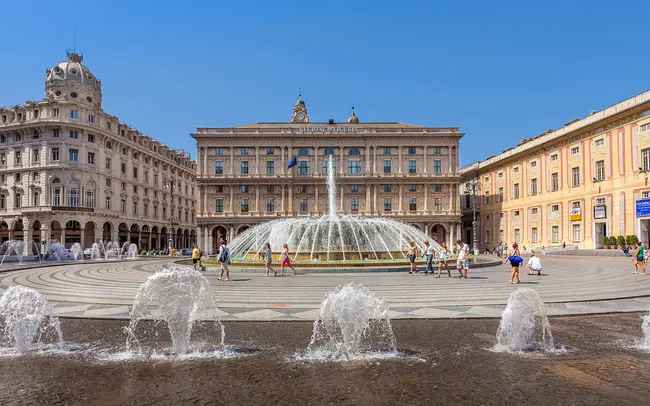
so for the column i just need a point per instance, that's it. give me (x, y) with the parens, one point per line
(257, 199)
(149, 240)
(232, 160)
(205, 161)
(316, 199)
(62, 234)
(199, 162)
(426, 198)
(450, 163)
(342, 160)
(27, 238)
(205, 201)
(368, 207)
(206, 240)
(316, 167)
(282, 201)
(451, 198)
(399, 157)
(232, 197)
(399, 204)
(425, 160)
(282, 162)
(367, 160)
(291, 199)
(341, 210)
(374, 203)
(232, 234)
(82, 240)
(374, 164)
(257, 160)
(452, 236)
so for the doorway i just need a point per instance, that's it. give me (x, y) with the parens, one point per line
(644, 231)
(600, 232)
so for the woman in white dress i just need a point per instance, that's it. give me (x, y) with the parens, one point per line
(444, 257)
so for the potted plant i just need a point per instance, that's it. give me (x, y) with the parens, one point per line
(606, 242)
(620, 242)
(632, 239)
(612, 242)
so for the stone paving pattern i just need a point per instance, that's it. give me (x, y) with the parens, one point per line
(569, 286)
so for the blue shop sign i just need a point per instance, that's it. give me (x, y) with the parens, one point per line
(643, 208)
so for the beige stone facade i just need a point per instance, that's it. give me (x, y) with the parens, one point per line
(404, 171)
(71, 172)
(575, 185)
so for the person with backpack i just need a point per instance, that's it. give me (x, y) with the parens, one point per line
(515, 260)
(224, 258)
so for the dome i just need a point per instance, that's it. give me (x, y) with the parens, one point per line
(353, 119)
(72, 70)
(300, 102)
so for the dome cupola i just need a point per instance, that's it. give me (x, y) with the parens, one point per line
(353, 119)
(71, 81)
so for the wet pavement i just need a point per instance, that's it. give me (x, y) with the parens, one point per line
(444, 362)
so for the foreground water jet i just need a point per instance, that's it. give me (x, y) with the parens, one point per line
(26, 316)
(179, 296)
(524, 324)
(351, 321)
(645, 326)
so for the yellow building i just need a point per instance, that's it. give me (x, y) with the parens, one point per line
(574, 185)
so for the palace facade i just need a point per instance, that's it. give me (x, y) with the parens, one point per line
(403, 171)
(574, 185)
(70, 172)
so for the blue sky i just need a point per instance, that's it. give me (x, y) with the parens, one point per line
(499, 70)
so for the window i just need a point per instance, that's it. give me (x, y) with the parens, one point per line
(517, 236)
(270, 205)
(36, 135)
(354, 204)
(35, 175)
(354, 188)
(244, 205)
(555, 207)
(386, 150)
(500, 174)
(533, 164)
(244, 167)
(555, 234)
(244, 188)
(3, 201)
(326, 166)
(387, 188)
(91, 118)
(18, 157)
(135, 189)
(555, 182)
(413, 204)
(645, 159)
(218, 189)
(437, 166)
(17, 178)
(516, 192)
(516, 169)
(164, 212)
(533, 187)
(3, 158)
(388, 204)
(91, 138)
(600, 200)
(74, 155)
(155, 211)
(436, 150)
(135, 173)
(533, 232)
(500, 194)
(74, 114)
(600, 142)
(354, 167)
(73, 196)
(575, 175)
(89, 198)
(303, 152)
(303, 167)
(108, 182)
(600, 170)
(437, 187)
(123, 168)
(387, 166)
(218, 207)
(554, 157)
(437, 203)
(303, 205)
(270, 167)
(135, 207)
(17, 200)
(74, 134)
(303, 189)
(645, 195)
(576, 233)
(37, 155)
(55, 112)
(328, 152)
(218, 168)
(91, 158)
(575, 150)
(270, 151)
(354, 152)
(533, 210)
(56, 194)
(413, 188)
(411, 150)
(218, 151)
(516, 213)
(412, 166)
(269, 189)
(645, 127)
(244, 151)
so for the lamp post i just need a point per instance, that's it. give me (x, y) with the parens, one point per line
(475, 185)
(170, 185)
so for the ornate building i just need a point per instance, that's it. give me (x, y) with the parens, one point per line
(399, 170)
(575, 185)
(71, 172)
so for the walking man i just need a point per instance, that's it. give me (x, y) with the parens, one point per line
(429, 253)
(462, 262)
(196, 256)
(224, 258)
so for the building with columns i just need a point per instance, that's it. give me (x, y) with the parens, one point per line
(575, 185)
(70, 172)
(403, 171)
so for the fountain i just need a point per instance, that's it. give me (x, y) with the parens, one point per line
(132, 253)
(15, 246)
(331, 237)
(25, 313)
(111, 250)
(95, 252)
(524, 325)
(58, 251)
(76, 250)
(180, 296)
(645, 326)
(351, 322)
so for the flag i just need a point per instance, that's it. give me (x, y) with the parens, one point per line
(293, 162)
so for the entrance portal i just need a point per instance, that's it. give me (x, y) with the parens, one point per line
(644, 231)
(599, 233)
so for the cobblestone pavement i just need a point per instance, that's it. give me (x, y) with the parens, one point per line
(580, 285)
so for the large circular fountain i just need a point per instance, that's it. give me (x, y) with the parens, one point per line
(352, 239)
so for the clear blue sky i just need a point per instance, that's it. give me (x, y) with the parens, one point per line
(499, 70)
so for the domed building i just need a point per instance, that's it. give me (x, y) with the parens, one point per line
(70, 172)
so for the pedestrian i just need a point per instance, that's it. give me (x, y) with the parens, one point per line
(268, 258)
(462, 262)
(543, 250)
(639, 258)
(196, 256)
(430, 254)
(505, 250)
(443, 260)
(515, 261)
(564, 245)
(412, 255)
(534, 265)
(285, 260)
(224, 258)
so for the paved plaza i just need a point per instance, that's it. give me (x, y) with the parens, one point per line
(569, 286)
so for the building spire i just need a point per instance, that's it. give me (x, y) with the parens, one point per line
(353, 119)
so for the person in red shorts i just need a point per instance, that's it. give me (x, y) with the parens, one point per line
(285, 260)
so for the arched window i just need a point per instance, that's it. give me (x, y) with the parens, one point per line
(89, 195)
(73, 193)
(328, 152)
(56, 192)
(354, 152)
(303, 152)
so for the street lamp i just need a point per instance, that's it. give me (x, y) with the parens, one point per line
(169, 183)
(474, 185)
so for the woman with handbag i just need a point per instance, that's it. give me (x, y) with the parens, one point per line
(515, 261)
